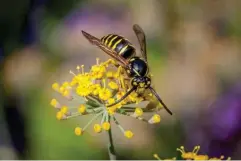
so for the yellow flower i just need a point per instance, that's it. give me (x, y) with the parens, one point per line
(64, 109)
(111, 110)
(113, 85)
(133, 97)
(61, 89)
(55, 86)
(83, 80)
(104, 94)
(110, 74)
(78, 131)
(59, 115)
(111, 101)
(193, 155)
(119, 95)
(138, 112)
(155, 119)
(73, 82)
(65, 84)
(128, 134)
(106, 126)
(188, 155)
(83, 91)
(82, 109)
(55, 103)
(94, 90)
(97, 71)
(97, 128)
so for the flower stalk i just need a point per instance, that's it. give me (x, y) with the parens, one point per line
(111, 148)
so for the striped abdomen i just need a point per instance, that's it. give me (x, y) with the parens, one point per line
(119, 44)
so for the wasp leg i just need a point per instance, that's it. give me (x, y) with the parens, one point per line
(122, 98)
(159, 99)
(121, 78)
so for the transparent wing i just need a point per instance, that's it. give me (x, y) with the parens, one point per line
(95, 41)
(142, 40)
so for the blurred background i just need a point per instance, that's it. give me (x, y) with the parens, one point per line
(193, 52)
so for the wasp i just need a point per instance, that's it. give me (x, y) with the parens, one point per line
(120, 49)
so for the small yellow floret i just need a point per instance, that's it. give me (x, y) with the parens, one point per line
(128, 134)
(113, 85)
(111, 110)
(65, 84)
(66, 93)
(82, 109)
(61, 89)
(55, 86)
(105, 94)
(78, 131)
(64, 109)
(97, 128)
(54, 103)
(155, 119)
(106, 126)
(59, 115)
(138, 112)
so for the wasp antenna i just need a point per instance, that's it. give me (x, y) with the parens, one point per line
(122, 98)
(159, 99)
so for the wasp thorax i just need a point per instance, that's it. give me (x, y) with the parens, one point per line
(141, 82)
(137, 67)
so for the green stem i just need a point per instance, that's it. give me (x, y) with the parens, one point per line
(111, 149)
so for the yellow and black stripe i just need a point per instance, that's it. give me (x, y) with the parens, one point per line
(119, 44)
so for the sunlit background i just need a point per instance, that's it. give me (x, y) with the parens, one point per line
(193, 52)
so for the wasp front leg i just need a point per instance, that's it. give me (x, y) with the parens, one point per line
(120, 76)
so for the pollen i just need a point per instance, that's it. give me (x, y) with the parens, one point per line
(128, 134)
(82, 109)
(61, 89)
(155, 119)
(54, 103)
(64, 109)
(59, 115)
(138, 112)
(110, 74)
(112, 101)
(111, 110)
(106, 126)
(66, 93)
(97, 128)
(113, 85)
(83, 91)
(65, 84)
(78, 131)
(55, 86)
(105, 94)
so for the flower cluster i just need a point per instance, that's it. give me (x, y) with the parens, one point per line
(104, 84)
(193, 155)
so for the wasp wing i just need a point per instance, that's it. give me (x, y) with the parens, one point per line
(95, 41)
(142, 40)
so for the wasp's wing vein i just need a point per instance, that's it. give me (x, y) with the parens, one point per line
(95, 41)
(142, 39)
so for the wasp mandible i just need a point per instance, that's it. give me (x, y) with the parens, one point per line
(120, 49)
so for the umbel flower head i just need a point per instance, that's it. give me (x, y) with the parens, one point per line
(193, 155)
(104, 84)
